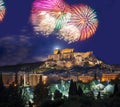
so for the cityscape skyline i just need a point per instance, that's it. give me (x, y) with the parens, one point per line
(19, 43)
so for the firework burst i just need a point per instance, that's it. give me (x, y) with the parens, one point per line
(48, 15)
(2, 10)
(69, 33)
(50, 5)
(72, 24)
(84, 18)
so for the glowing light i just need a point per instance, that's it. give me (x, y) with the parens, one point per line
(57, 47)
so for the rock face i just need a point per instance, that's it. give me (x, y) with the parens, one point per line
(67, 58)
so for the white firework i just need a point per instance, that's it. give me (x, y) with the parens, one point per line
(69, 33)
(46, 26)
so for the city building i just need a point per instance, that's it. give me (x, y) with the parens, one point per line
(22, 78)
(33, 78)
(8, 78)
(110, 76)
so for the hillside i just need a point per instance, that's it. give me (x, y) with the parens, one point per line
(21, 67)
(67, 60)
(62, 61)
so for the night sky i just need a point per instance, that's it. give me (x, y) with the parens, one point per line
(19, 43)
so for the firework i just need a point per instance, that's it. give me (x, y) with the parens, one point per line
(72, 24)
(2, 10)
(49, 5)
(84, 18)
(45, 21)
(46, 25)
(69, 33)
(62, 20)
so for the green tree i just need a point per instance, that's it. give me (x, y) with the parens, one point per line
(1, 82)
(40, 92)
(72, 88)
(57, 95)
(80, 91)
(14, 97)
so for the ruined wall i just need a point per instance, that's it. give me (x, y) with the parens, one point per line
(61, 57)
(56, 51)
(67, 50)
(108, 77)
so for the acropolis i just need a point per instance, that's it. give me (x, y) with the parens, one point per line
(67, 58)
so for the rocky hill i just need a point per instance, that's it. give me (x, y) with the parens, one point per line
(67, 59)
(27, 67)
(62, 61)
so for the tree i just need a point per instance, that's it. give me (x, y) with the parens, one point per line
(115, 89)
(1, 82)
(40, 92)
(72, 88)
(98, 96)
(80, 91)
(14, 97)
(16, 78)
(57, 95)
(3, 93)
(21, 81)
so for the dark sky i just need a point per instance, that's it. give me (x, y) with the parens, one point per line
(19, 44)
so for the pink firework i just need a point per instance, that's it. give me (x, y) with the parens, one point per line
(2, 14)
(2, 10)
(84, 18)
(50, 5)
